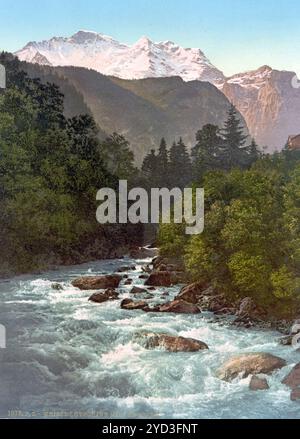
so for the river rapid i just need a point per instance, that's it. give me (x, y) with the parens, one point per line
(66, 357)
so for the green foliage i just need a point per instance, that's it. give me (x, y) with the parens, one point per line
(285, 284)
(180, 165)
(206, 152)
(51, 168)
(171, 239)
(118, 158)
(250, 245)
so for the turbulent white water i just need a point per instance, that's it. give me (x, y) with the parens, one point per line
(67, 357)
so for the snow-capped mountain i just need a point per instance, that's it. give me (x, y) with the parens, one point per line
(143, 59)
(265, 97)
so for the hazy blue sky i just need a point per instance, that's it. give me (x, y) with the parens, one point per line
(235, 34)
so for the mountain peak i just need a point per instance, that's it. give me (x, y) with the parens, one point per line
(143, 41)
(143, 59)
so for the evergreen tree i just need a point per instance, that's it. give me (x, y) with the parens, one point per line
(162, 168)
(234, 153)
(253, 152)
(149, 167)
(118, 158)
(180, 165)
(206, 154)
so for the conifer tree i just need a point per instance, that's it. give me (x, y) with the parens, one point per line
(206, 154)
(234, 153)
(253, 152)
(162, 168)
(149, 167)
(180, 165)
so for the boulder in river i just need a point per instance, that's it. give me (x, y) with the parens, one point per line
(295, 394)
(258, 383)
(246, 364)
(138, 290)
(171, 343)
(293, 378)
(159, 279)
(97, 282)
(126, 268)
(286, 340)
(131, 305)
(179, 307)
(100, 297)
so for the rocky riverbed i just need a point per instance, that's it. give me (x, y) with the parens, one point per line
(122, 338)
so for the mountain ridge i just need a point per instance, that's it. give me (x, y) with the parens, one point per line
(265, 97)
(143, 110)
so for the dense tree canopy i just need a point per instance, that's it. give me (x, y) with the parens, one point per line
(50, 171)
(250, 245)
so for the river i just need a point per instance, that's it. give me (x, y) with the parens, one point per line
(66, 357)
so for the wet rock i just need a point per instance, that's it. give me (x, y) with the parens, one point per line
(295, 329)
(131, 305)
(165, 294)
(167, 264)
(57, 286)
(146, 269)
(192, 292)
(126, 268)
(128, 282)
(138, 290)
(248, 308)
(213, 303)
(295, 394)
(162, 267)
(142, 252)
(105, 296)
(171, 343)
(246, 364)
(156, 261)
(159, 279)
(97, 282)
(257, 383)
(143, 276)
(126, 302)
(286, 340)
(152, 309)
(180, 307)
(151, 288)
(292, 380)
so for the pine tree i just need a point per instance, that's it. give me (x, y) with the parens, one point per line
(253, 152)
(206, 154)
(162, 168)
(180, 165)
(234, 154)
(149, 168)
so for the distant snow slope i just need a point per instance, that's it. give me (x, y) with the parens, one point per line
(102, 53)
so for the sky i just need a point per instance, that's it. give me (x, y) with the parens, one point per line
(236, 35)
